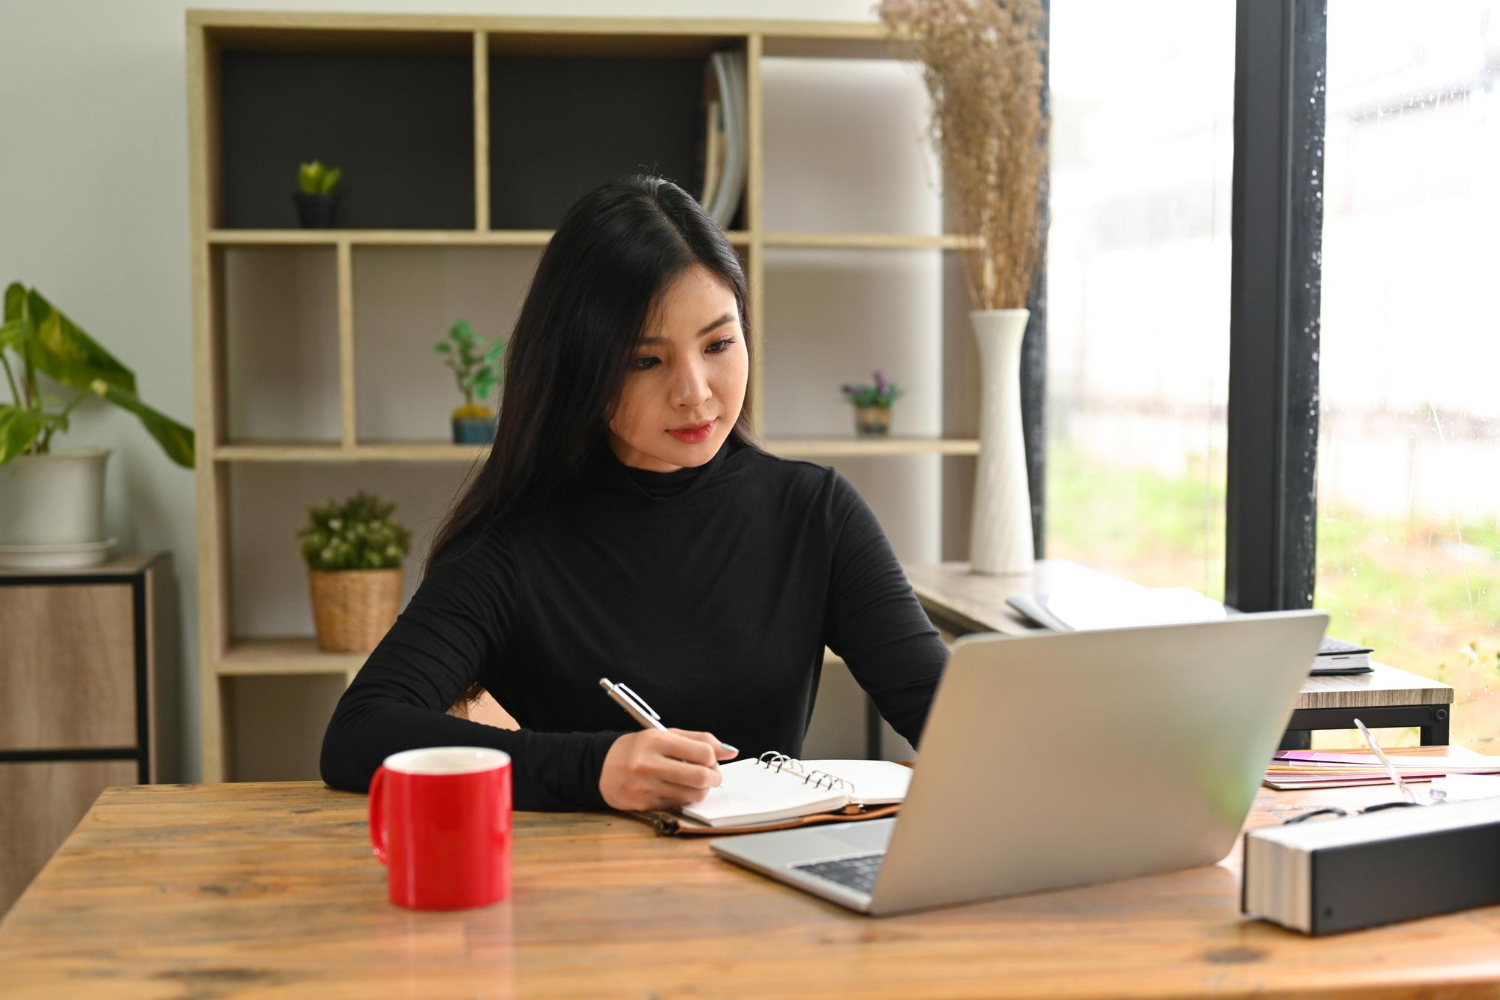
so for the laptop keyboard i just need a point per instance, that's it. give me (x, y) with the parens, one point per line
(857, 873)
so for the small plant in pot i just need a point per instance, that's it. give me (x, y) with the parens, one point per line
(52, 502)
(477, 369)
(354, 552)
(317, 201)
(872, 405)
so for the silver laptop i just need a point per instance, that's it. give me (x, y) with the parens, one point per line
(1064, 759)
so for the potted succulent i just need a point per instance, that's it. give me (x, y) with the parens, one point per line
(478, 371)
(52, 502)
(872, 405)
(354, 552)
(317, 201)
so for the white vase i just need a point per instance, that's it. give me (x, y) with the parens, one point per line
(54, 502)
(1000, 539)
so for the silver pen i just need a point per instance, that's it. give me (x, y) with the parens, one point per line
(632, 703)
(1390, 768)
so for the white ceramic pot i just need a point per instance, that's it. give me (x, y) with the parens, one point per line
(1000, 539)
(52, 508)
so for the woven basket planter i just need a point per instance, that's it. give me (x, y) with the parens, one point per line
(354, 608)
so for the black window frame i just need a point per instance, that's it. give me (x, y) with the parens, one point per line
(1276, 232)
(1281, 58)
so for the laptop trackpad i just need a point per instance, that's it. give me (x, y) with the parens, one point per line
(854, 838)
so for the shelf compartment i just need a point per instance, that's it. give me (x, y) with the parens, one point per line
(516, 40)
(584, 119)
(399, 123)
(405, 299)
(284, 656)
(280, 341)
(836, 447)
(332, 451)
(379, 237)
(510, 237)
(266, 578)
(440, 451)
(276, 723)
(878, 112)
(871, 241)
(834, 315)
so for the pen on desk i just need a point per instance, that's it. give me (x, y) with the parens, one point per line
(1390, 768)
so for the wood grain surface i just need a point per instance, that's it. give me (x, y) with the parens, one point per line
(67, 673)
(270, 890)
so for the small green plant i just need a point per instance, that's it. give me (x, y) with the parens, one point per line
(881, 393)
(358, 534)
(476, 368)
(314, 178)
(46, 342)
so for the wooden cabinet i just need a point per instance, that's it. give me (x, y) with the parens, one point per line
(77, 683)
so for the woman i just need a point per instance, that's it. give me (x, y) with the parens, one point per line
(626, 525)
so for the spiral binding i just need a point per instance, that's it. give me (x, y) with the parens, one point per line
(780, 762)
(818, 779)
(832, 782)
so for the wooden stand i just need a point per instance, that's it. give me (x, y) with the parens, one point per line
(960, 602)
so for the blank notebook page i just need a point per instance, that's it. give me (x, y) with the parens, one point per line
(753, 793)
(876, 782)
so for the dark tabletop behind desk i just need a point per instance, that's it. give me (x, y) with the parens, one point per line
(960, 602)
(270, 890)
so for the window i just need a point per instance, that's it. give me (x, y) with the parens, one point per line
(1138, 288)
(1408, 531)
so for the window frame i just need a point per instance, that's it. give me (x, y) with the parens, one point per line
(1275, 298)
(1276, 233)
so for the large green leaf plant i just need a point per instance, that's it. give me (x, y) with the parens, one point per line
(44, 341)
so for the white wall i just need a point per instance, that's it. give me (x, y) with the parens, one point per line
(94, 193)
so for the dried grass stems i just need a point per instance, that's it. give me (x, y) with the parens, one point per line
(983, 68)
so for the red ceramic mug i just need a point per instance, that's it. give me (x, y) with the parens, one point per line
(440, 821)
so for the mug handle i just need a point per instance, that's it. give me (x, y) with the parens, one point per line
(377, 827)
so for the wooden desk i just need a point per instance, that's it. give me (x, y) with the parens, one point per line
(270, 889)
(960, 602)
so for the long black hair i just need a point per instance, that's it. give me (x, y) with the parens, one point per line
(595, 289)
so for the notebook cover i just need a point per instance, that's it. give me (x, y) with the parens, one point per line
(1338, 647)
(668, 824)
(1420, 874)
(1403, 878)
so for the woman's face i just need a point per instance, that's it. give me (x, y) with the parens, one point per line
(686, 383)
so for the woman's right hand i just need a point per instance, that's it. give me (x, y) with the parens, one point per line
(661, 769)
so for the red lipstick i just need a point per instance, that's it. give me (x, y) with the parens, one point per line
(693, 433)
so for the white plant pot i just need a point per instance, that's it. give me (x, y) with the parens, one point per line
(52, 509)
(1000, 541)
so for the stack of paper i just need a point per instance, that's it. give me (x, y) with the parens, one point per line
(1342, 768)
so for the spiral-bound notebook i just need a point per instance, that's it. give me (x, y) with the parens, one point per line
(776, 787)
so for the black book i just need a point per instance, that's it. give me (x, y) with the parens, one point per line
(1326, 876)
(1335, 656)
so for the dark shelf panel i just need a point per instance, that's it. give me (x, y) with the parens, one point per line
(400, 124)
(563, 124)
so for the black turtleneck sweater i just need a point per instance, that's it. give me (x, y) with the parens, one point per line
(711, 591)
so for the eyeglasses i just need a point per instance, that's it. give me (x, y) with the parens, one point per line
(1430, 796)
(1336, 811)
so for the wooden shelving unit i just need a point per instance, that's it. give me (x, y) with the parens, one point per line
(233, 56)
